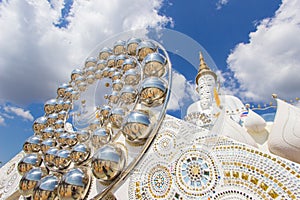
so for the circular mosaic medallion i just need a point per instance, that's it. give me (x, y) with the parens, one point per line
(160, 181)
(165, 144)
(195, 172)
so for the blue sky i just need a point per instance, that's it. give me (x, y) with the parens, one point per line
(255, 44)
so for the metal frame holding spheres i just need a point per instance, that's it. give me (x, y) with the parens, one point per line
(107, 139)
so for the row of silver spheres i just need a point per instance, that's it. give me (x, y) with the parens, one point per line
(59, 162)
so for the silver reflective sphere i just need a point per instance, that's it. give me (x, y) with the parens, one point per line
(105, 53)
(108, 162)
(71, 139)
(105, 110)
(58, 132)
(90, 70)
(119, 47)
(62, 139)
(80, 153)
(49, 106)
(128, 94)
(98, 74)
(131, 77)
(91, 61)
(82, 86)
(29, 181)
(129, 63)
(101, 64)
(74, 185)
(116, 117)
(119, 60)
(111, 61)
(59, 123)
(76, 73)
(80, 79)
(46, 189)
(132, 45)
(52, 118)
(32, 144)
(83, 135)
(137, 127)
(68, 92)
(153, 91)
(47, 133)
(39, 124)
(47, 144)
(28, 162)
(111, 72)
(114, 97)
(116, 75)
(90, 79)
(67, 105)
(59, 105)
(144, 48)
(75, 95)
(61, 89)
(105, 72)
(62, 159)
(49, 156)
(154, 65)
(62, 115)
(117, 85)
(100, 137)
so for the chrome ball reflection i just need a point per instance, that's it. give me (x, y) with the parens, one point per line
(80, 153)
(105, 53)
(117, 85)
(111, 61)
(131, 77)
(129, 63)
(46, 189)
(49, 156)
(128, 94)
(59, 123)
(83, 135)
(108, 162)
(114, 97)
(132, 45)
(137, 127)
(101, 64)
(119, 47)
(100, 137)
(75, 74)
(153, 91)
(52, 118)
(62, 159)
(32, 144)
(47, 144)
(28, 162)
(59, 105)
(116, 117)
(91, 61)
(71, 139)
(62, 139)
(74, 184)
(47, 133)
(119, 60)
(49, 106)
(61, 89)
(29, 181)
(144, 48)
(39, 124)
(154, 65)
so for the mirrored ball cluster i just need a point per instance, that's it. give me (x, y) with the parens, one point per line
(71, 146)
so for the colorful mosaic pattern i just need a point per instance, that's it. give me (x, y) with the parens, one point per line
(200, 165)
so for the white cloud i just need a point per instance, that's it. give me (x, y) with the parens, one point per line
(221, 3)
(36, 56)
(25, 114)
(183, 93)
(270, 62)
(2, 121)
